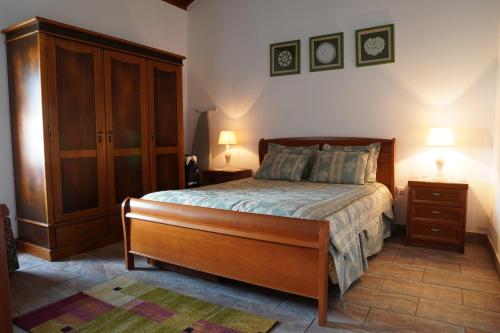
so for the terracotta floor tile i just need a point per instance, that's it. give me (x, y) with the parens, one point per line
(333, 327)
(397, 271)
(350, 314)
(370, 281)
(381, 258)
(476, 255)
(462, 281)
(373, 298)
(409, 251)
(424, 263)
(479, 271)
(422, 289)
(459, 315)
(473, 330)
(388, 321)
(485, 301)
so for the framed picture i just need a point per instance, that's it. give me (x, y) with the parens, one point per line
(326, 52)
(285, 58)
(375, 45)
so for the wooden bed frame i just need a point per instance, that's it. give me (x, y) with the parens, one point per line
(285, 254)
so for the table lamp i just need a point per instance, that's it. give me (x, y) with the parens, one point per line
(440, 137)
(227, 138)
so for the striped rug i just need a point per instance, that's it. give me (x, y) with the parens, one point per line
(126, 305)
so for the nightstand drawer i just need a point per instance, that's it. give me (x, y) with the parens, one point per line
(438, 214)
(217, 176)
(435, 232)
(438, 196)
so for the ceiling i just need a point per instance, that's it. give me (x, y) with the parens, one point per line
(180, 3)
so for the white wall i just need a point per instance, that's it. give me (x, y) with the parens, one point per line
(150, 22)
(445, 74)
(494, 226)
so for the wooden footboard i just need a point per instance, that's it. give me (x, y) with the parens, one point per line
(281, 253)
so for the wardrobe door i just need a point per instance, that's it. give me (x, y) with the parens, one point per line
(166, 126)
(76, 107)
(126, 126)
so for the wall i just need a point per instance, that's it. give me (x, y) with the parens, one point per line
(494, 226)
(445, 74)
(150, 22)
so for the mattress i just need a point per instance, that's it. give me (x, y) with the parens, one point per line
(355, 213)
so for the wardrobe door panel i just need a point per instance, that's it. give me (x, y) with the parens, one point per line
(76, 104)
(165, 109)
(128, 176)
(166, 166)
(127, 126)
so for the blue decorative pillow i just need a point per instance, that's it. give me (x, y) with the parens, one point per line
(340, 167)
(283, 166)
(371, 167)
(310, 150)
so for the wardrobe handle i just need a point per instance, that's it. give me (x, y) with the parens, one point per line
(99, 136)
(434, 229)
(436, 212)
(110, 137)
(436, 194)
(152, 138)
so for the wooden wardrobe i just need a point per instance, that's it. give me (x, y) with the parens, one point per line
(95, 119)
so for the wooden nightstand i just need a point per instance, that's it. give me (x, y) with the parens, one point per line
(437, 214)
(217, 176)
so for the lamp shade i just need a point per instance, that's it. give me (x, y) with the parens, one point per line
(440, 137)
(227, 138)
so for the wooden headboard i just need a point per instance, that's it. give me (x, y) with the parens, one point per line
(385, 165)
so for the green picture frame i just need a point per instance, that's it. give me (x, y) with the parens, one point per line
(326, 52)
(375, 45)
(285, 58)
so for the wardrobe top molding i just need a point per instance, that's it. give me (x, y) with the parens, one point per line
(50, 27)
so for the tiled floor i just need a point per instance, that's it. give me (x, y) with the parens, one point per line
(407, 289)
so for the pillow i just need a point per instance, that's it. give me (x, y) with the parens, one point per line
(311, 150)
(283, 166)
(276, 148)
(340, 167)
(371, 167)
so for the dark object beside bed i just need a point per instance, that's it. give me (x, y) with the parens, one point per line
(244, 246)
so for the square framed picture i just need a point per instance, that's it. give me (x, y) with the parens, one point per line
(375, 46)
(285, 58)
(326, 52)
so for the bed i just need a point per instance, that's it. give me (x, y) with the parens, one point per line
(277, 244)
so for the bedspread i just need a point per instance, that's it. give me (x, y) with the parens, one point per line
(350, 209)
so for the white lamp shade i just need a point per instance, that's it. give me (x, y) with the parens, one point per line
(440, 137)
(227, 138)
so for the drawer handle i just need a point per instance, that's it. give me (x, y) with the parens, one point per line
(436, 194)
(434, 229)
(436, 212)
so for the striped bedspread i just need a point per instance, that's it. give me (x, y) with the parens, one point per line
(354, 212)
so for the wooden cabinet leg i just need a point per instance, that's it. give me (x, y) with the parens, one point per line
(322, 311)
(129, 261)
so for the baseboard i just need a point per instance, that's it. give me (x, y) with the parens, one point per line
(494, 256)
(64, 252)
(34, 250)
(476, 238)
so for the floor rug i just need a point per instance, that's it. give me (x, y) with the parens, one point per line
(125, 305)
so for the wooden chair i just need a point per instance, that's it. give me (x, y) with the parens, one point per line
(5, 311)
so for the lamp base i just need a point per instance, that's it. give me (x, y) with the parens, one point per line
(227, 155)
